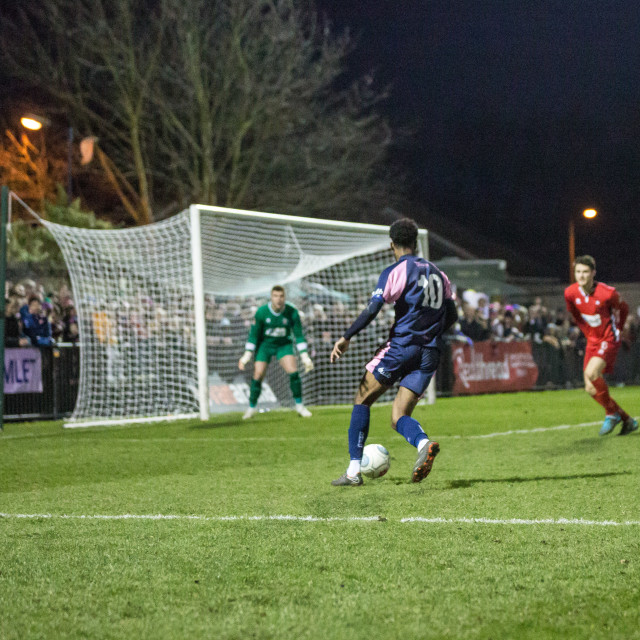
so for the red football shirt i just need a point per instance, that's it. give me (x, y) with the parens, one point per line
(599, 315)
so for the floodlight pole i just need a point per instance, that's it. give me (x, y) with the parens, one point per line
(4, 218)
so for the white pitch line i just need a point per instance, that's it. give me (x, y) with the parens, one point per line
(159, 516)
(576, 521)
(294, 518)
(512, 432)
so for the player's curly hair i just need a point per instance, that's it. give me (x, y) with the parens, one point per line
(587, 261)
(404, 233)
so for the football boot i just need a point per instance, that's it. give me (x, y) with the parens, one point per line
(348, 481)
(609, 423)
(628, 426)
(423, 465)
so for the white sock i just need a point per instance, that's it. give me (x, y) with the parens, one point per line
(422, 444)
(354, 468)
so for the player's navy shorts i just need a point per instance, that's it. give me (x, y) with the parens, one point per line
(412, 365)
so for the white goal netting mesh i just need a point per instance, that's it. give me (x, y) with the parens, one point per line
(134, 293)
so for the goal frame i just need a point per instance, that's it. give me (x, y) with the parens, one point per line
(198, 280)
(194, 226)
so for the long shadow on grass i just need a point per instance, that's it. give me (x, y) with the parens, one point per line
(465, 484)
(217, 424)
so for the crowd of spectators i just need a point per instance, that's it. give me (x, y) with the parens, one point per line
(552, 328)
(35, 317)
(480, 319)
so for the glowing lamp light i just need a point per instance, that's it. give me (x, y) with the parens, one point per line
(30, 123)
(33, 123)
(589, 213)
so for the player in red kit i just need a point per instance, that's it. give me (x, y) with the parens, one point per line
(600, 314)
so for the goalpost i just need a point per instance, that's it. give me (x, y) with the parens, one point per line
(164, 310)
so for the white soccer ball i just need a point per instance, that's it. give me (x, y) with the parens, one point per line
(375, 461)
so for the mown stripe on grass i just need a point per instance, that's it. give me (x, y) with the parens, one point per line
(294, 518)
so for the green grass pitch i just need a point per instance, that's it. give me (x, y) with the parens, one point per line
(532, 533)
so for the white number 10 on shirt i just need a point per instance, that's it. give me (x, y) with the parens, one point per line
(433, 291)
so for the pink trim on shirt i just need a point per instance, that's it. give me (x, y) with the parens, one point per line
(371, 366)
(396, 282)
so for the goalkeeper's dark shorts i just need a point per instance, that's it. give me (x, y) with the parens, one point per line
(266, 351)
(412, 366)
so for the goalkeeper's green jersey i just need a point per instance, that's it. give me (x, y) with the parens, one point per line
(276, 329)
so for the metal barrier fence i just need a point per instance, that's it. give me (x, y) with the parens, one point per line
(60, 372)
(557, 369)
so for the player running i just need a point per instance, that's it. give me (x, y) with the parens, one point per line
(600, 314)
(275, 326)
(424, 310)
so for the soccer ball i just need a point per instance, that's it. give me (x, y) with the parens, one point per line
(375, 461)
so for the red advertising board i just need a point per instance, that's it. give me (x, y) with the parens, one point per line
(493, 367)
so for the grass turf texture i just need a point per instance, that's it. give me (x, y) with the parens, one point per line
(213, 578)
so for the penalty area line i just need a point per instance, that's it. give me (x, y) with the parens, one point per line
(294, 518)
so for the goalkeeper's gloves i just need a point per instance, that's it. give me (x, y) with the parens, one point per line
(306, 362)
(244, 361)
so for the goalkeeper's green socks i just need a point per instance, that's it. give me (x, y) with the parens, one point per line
(254, 392)
(296, 386)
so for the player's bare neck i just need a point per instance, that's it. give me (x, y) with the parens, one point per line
(589, 288)
(400, 252)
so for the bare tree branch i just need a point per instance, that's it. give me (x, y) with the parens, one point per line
(232, 102)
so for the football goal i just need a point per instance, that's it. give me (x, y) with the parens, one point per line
(164, 310)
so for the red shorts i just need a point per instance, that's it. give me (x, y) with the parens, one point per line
(605, 350)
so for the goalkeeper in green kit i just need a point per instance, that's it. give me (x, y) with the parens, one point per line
(274, 328)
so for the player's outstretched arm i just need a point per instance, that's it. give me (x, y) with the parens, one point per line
(307, 363)
(623, 312)
(244, 361)
(450, 314)
(339, 348)
(255, 334)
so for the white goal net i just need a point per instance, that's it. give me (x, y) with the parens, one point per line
(164, 310)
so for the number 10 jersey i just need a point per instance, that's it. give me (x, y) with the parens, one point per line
(418, 290)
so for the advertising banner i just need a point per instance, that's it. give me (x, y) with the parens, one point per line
(234, 396)
(493, 367)
(22, 370)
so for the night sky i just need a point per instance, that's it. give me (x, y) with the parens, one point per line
(522, 113)
(517, 115)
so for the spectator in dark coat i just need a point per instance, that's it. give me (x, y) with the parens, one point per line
(473, 325)
(13, 333)
(36, 325)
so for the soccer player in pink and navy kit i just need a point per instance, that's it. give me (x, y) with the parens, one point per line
(600, 314)
(424, 310)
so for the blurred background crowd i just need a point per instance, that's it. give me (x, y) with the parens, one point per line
(36, 317)
(41, 316)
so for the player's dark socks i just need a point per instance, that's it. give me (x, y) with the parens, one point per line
(358, 430)
(410, 430)
(254, 392)
(296, 386)
(603, 398)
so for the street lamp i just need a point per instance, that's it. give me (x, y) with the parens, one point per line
(589, 214)
(35, 123)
